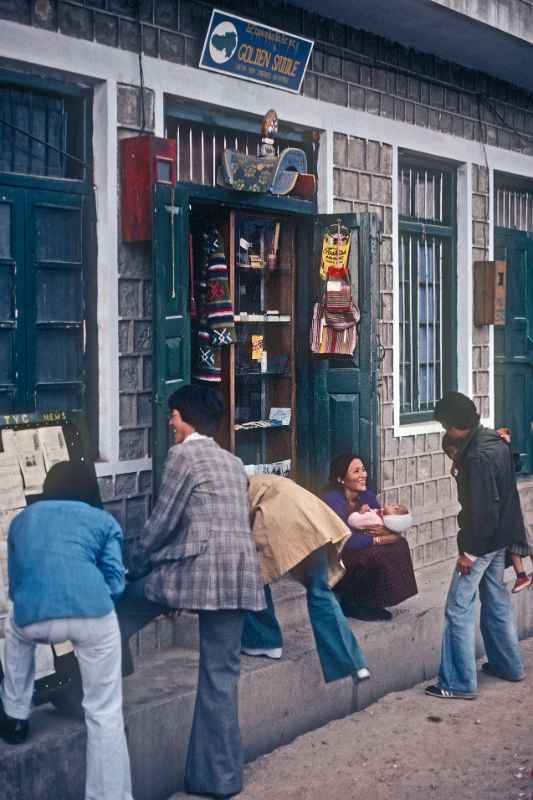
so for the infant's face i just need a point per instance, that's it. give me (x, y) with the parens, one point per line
(394, 508)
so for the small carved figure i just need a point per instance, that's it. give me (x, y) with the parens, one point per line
(269, 129)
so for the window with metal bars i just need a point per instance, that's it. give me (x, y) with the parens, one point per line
(514, 208)
(200, 146)
(426, 286)
(41, 133)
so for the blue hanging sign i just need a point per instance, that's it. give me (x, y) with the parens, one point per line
(246, 49)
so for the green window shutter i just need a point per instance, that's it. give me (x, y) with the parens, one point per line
(12, 334)
(172, 337)
(345, 399)
(54, 302)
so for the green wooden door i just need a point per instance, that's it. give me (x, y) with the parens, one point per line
(172, 338)
(42, 308)
(345, 390)
(513, 344)
(336, 398)
(12, 277)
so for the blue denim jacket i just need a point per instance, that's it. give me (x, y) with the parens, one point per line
(64, 560)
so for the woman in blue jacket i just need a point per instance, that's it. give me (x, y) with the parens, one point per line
(65, 571)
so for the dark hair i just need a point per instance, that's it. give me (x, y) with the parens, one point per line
(456, 410)
(339, 468)
(199, 406)
(72, 480)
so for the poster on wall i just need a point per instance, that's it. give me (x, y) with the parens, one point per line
(52, 441)
(26, 446)
(246, 49)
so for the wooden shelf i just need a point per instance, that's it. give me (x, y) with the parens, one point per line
(267, 374)
(254, 318)
(260, 425)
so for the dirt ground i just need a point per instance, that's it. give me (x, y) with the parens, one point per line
(411, 747)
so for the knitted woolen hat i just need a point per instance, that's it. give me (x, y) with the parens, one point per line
(456, 410)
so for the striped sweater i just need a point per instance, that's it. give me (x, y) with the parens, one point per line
(214, 327)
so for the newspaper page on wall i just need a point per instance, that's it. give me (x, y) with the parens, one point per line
(25, 444)
(53, 445)
(11, 485)
(12, 500)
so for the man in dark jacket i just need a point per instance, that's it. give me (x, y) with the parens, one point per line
(490, 519)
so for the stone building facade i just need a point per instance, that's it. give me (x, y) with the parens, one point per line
(379, 99)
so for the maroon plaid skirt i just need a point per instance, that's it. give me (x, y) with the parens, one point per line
(378, 576)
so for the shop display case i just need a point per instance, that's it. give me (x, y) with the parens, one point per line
(263, 256)
(257, 368)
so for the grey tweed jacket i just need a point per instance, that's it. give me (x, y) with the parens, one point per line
(197, 544)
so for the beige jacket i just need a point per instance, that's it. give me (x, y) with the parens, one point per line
(289, 523)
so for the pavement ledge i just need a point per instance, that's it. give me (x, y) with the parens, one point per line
(279, 700)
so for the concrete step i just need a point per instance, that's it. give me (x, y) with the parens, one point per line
(181, 630)
(279, 700)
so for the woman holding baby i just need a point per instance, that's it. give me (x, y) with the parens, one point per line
(379, 570)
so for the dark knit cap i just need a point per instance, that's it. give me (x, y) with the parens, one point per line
(456, 410)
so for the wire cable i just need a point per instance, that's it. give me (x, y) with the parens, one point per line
(141, 70)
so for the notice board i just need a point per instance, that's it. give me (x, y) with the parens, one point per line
(30, 444)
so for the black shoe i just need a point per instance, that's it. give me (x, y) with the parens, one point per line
(366, 614)
(12, 730)
(448, 694)
(488, 669)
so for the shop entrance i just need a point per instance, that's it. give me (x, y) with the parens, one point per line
(287, 411)
(513, 343)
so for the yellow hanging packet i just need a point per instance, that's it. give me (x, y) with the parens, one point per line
(335, 253)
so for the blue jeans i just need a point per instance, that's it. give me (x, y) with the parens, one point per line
(458, 660)
(337, 647)
(215, 756)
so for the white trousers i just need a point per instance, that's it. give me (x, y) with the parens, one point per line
(96, 642)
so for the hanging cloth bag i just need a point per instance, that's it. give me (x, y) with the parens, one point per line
(335, 338)
(334, 324)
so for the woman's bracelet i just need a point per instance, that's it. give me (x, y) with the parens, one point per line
(377, 539)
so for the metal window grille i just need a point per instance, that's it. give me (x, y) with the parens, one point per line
(50, 120)
(514, 209)
(421, 332)
(200, 148)
(422, 194)
(424, 267)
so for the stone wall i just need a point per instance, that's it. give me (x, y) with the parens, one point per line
(414, 469)
(129, 495)
(349, 68)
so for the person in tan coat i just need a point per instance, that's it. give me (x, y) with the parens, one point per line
(297, 533)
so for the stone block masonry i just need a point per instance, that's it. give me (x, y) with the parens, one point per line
(414, 470)
(352, 69)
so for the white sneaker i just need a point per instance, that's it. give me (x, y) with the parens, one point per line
(273, 652)
(362, 674)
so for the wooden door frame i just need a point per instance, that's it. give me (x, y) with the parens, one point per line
(306, 292)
